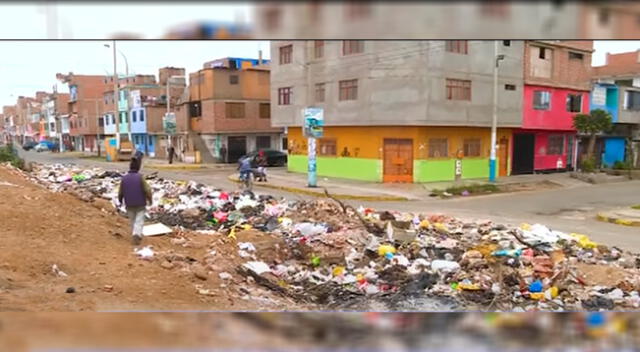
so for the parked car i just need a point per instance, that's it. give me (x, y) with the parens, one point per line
(43, 146)
(29, 145)
(274, 157)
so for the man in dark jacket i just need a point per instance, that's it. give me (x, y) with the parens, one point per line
(136, 194)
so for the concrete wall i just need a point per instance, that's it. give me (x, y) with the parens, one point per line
(627, 116)
(399, 83)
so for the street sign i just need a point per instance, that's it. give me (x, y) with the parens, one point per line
(169, 123)
(313, 122)
(135, 99)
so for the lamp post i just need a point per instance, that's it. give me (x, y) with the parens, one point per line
(494, 123)
(126, 63)
(115, 95)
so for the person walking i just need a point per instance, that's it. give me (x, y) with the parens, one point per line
(172, 152)
(223, 154)
(136, 194)
(261, 161)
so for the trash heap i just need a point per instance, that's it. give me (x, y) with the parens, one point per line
(345, 258)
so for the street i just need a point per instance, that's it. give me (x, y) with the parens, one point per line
(571, 209)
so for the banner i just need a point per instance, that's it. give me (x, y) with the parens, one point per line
(169, 123)
(313, 122)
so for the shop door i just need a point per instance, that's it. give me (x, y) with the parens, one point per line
(503, 157)
(398, 160)
(523, 149)
(236, 148)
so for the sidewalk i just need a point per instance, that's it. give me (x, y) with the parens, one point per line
(340, 188)
(624, 216)
(359, 190)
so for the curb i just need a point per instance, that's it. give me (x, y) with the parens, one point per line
(618, 221)
(321, 194)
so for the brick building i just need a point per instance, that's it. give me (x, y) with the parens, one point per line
(8, 122)
(86, 93)
(556, 87)
(229, 104)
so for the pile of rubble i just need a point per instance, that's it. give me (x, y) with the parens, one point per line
(345, 258)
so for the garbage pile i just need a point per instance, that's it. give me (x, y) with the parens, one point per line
(345, 258)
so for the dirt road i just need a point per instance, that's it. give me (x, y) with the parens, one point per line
(91, 245)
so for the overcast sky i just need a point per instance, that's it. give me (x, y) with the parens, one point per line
(28, 66)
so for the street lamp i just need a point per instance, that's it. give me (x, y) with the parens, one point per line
(494, 123)
(116, 109)
(126, 63)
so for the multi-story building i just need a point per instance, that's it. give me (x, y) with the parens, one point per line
(556, 88)
(86, 93)
(229, 105)
(616, 89)
(9, 122)
(448, 20)
(398, 111)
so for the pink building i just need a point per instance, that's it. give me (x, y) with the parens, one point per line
(556, 89)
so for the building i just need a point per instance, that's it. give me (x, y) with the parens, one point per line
(229, 105)
(398, 111)
(616, 89)
(55, 106)
(86, 93)
(9, 123)
(556, 88)
(448, 20)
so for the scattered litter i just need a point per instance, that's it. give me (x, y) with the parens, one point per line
(145, 253)
(57, 271)
(156, 230)
(225, 276)
(257, 267)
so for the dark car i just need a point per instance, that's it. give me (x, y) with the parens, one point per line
(29, 145)
(274, 157)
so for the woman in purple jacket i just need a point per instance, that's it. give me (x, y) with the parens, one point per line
(136, 194)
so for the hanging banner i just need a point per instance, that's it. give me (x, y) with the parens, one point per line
(313, 122)
(599, 96)
(169, 123)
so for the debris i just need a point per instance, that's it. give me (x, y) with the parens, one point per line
(145, 253)
(57, 271)
(200, 272)
(156, 230)
(225, 276)
(70, 290)
(257, 267)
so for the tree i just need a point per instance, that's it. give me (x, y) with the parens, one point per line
(596, 122)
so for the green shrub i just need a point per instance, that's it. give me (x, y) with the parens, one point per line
(588, 165)
(7, 154)
(622, 165)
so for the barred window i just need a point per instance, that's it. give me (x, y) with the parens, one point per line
(457, 46)
(555, 145)
(438, 147)
(285, 54)
(458, 89)
(284, 96)
(327, 147)
(472, 147)
(318, 48)
(235, 110)
(265, 110)
(349, 89)
(320, 92)
(352, 47)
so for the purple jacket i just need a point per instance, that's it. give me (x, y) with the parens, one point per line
(134, 190)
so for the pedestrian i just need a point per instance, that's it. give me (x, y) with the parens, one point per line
(261, 161)
(172, 152)
(223, 154)
(136, 194)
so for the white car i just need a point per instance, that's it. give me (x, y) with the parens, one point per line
(41, 147)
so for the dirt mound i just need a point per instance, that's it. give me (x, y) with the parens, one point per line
(91, 246)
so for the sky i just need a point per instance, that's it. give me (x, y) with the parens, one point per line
(29, 66)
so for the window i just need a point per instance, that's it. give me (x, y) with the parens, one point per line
(603, 16)
(327, 147)
(284, 96)
(542, 53)
(122, 117)
(438, 148)
(510, 87)
(319, 92)
(471, 147)
(235, 110)
(52, 125)
(574, 102)
(151, 141)
(352, 47)
(457, 46)
(575, 56)
(285, 54)
(263, 142)
(195, 109)
(458, 89)
(134, 116)
(265, 110)
(233, 79)
(506, 42)
(318, 48)
(541, 100)
(555, 145)
(141, 115)
(113, 119)
(285, 143)
(349, 89)
(632, 100)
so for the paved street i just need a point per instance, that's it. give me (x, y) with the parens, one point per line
(571, 209)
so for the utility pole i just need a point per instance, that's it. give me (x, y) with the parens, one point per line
(116, 97)
(494, 122)
(169, 137)
(312, 167)
(98, 127)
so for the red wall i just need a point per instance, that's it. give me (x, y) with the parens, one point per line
(557, 117)
(541, 160)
